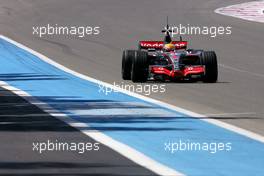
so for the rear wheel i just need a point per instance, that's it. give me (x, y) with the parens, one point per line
(139, 70)
(127, 64)
(209, 60)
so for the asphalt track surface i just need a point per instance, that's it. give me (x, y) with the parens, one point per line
(22, 123)
(238, 96)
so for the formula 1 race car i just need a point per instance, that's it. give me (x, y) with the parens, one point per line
(168, 61)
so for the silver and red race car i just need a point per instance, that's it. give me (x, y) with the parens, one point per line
(153, 61)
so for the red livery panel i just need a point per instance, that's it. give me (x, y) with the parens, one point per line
(159, 44)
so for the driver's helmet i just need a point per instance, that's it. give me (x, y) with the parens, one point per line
(169, 47)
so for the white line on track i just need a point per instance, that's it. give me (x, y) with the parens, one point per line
(121, 148)
(242, 71)
(232, 114)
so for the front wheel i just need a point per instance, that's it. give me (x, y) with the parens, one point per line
(139, 70)
(209, 60)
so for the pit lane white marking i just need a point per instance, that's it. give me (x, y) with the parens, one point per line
(121, 148)
(251, 11)
(125, 112)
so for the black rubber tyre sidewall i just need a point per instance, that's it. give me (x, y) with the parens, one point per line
(139, 71)
(209, 60)
(127, 58)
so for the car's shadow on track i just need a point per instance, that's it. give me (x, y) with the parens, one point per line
(185, 82)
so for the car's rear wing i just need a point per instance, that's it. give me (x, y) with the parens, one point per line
(159, 44)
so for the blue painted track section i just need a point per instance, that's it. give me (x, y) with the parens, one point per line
(135, 122)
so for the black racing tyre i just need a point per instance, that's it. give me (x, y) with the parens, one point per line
(127, 64)
(209, 60)
(139, 70)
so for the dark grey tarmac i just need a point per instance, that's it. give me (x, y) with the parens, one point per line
(237, 98)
